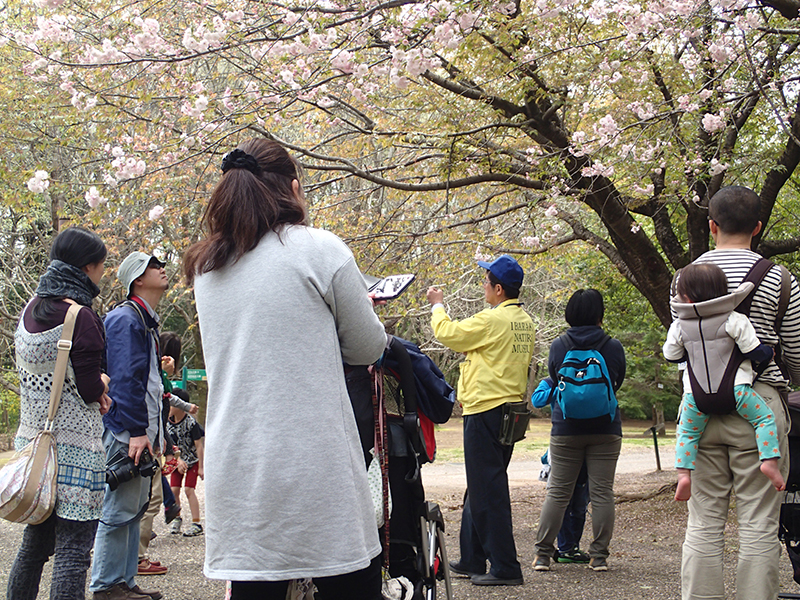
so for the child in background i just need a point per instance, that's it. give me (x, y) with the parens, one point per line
(188, 436)
(704, 283)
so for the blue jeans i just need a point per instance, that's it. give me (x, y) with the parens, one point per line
(486, 530)
(116, 549)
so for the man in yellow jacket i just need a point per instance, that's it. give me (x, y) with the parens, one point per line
(498, 343)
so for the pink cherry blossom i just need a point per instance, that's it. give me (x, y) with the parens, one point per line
(713, 123)
(155, 212)
(531, 240)
(343, 61)
(39, 182)
(716, 167)
(93, 197)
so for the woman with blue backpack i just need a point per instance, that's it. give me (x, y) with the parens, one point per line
(588, 367)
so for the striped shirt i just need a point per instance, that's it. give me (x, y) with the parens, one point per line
(763, 310)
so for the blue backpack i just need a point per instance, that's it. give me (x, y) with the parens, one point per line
(583, 389)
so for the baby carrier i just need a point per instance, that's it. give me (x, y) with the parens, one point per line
(712, 376)
(713, 356)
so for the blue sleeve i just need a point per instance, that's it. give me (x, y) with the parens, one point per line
(128, 358)
(541, 395)
(762, 353)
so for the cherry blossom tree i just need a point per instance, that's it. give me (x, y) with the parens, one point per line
(425, 127)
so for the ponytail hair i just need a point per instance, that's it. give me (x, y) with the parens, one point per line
(253, 197)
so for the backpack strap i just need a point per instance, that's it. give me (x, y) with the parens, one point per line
(602, 343)
(755, 276)
(783, 299)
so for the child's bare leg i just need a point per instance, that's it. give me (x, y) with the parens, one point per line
(194, 505)
(769, 467)
(684, 489)
(176, 491)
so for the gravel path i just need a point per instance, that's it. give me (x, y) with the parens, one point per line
(644, 564)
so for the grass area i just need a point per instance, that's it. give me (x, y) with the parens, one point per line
(635, 434)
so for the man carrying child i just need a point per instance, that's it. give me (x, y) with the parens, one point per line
(727, 457)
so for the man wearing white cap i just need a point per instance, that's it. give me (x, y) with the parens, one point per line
(498, 342)
(133, 425)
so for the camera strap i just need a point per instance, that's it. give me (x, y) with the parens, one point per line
(141, 512)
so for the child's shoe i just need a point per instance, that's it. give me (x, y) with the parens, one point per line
(176, 525)
(171, 513)
(194, 529)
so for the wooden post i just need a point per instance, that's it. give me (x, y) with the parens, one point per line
(658, 419)
(655, 445)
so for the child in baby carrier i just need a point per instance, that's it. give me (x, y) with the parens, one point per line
(721, 348)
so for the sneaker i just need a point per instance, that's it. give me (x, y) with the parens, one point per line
(119, 592)
(573, 556)
(542, 563)
(598, 563)
(148, 568)
(176, 525)
(194, 529)
(171, 513)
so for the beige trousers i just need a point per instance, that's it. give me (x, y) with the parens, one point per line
(727, 462)
(155, 507)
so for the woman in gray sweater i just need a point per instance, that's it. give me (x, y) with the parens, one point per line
(280, 306)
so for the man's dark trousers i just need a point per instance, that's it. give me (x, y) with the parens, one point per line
(486, 531)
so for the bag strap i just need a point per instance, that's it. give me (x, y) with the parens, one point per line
(755, 276)
(783, 299)
(60, 372)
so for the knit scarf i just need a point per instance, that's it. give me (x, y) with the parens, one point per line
(62, 280)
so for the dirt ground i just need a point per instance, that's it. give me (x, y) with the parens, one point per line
(645, 551)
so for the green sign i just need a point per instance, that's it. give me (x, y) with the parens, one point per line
(195, 374)
(188, 375)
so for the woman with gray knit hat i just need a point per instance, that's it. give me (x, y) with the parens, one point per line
(76, 267)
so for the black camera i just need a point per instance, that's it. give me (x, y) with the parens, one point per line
(121, 468)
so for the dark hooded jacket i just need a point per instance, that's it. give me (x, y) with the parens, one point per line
(586, 337)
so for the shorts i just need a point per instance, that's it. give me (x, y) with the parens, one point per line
(191, 477)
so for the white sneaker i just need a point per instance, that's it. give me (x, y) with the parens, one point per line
(175, 527)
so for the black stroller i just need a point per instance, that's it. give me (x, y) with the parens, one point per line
(790, 509)
(389, 418)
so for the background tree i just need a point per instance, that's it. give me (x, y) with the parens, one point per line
(426, 128)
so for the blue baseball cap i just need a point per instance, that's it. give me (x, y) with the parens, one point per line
(506, 269)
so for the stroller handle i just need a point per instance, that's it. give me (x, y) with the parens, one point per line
(405, 373)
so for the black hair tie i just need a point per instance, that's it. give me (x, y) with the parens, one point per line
(239, 159)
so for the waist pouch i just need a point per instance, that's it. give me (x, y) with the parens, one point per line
(516, 416)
